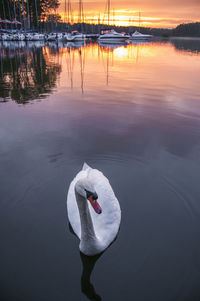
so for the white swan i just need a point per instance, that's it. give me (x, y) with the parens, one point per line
(95, 223)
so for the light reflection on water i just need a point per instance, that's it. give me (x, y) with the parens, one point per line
(32, 70)
(131, 111)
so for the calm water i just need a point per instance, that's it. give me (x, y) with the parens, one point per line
(132, 111)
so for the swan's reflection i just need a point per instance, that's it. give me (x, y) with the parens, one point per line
(88, 263)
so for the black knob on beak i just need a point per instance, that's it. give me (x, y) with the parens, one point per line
(94, 196)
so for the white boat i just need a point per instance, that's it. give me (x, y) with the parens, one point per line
(140, 36)
(76, 36)
(112, 36)
(12, 37)
(59, 36)
(51, 36)
(68, 37)
(15, 37)
(21, 37)
(38, 37)
(6, 37)
(29, 36)
(34, 36)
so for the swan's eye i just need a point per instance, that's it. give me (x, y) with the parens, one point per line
(93, 194)
(88, 193)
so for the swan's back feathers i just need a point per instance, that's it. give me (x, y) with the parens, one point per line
(106, 224)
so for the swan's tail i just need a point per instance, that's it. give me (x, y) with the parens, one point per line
(86, 166)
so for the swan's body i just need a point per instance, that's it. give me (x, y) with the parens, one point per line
(95, 231)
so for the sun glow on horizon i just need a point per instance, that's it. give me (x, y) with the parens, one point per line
(118, 20)
(151, 13)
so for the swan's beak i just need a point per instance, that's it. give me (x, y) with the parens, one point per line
(95, 205)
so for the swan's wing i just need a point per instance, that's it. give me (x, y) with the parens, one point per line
(107, 223)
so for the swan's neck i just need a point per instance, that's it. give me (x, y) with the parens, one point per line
(87, 228)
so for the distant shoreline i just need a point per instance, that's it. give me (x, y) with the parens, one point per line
(189, 30)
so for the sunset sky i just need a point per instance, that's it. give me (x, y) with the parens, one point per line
(154, 13)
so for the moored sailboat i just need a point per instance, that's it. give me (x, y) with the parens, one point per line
(111, 36)
(140, 36)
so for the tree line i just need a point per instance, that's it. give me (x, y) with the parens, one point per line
(189, 29)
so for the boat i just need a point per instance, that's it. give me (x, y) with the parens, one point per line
(38, 37)
(111, 36)
(140, 36)
(6, 37)
(76, 36)
(51, 36)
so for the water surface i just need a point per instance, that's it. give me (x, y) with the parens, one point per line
(133, 112)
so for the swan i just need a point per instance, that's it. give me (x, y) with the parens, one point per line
(96, 223)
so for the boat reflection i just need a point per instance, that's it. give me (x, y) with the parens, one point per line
(29, 70)
(88, 263)
(108, 52)
(74, 52)
(74, 45)
(112, 46)
(140, 42)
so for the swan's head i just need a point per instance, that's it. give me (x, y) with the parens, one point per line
(85, 188)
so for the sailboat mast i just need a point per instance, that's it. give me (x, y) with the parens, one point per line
(139, 18)
(19, 9)
(15, 11)
(23, 14)
(28, 14)
(55, 11)
(108, 12)
(9, 11)
(65, 12)
(83, 19)
(113, 17)
(4, 12)
(79, 13)
(68, 11)
(36, 12)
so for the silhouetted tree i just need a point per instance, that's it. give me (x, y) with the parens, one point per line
(35, 11)
(11, 9)
(190, 29)
(39, 10)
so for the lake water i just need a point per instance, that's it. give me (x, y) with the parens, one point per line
(131, 111)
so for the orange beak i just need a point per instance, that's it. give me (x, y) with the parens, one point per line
(95, 205)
